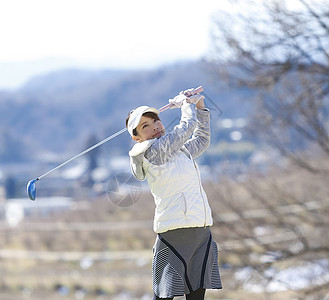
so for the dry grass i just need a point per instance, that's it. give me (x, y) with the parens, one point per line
(61, 242)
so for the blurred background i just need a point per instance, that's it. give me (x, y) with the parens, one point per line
(70, 71)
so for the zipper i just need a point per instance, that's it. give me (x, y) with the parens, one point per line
(204, 203)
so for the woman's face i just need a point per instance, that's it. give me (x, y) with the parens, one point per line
(149, 128)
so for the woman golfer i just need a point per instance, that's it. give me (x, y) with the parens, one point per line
(185, 257)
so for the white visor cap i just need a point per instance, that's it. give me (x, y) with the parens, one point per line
(136, 115)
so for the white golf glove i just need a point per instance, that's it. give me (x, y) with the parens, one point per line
(189, 92)
(177, 102)
(189, 95)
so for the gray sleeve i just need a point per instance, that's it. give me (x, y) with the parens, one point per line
(168, 145)
(200, 140)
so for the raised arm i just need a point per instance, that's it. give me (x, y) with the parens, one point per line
(200, 140)
(165, 147)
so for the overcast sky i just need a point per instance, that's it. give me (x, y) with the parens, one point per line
(102, 33)
(104, 30)
(37, 36)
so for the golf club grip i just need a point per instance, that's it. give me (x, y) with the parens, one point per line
(196, 91)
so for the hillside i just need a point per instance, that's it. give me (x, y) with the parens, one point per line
(58, 112)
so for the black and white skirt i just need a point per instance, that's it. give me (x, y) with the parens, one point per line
(184, 260)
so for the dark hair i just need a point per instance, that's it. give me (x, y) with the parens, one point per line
(148, 114)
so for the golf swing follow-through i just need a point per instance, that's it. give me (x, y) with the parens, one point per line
(185, 256)
(31, 186)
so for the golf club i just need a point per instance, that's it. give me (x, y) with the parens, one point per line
(31, 185)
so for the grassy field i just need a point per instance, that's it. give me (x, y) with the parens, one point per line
(98, 250)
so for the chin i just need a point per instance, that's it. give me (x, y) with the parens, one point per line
(159, 136)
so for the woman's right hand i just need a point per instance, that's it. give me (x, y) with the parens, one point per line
(194, 99)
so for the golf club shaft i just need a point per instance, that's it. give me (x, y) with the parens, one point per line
(84, 152)
(163, 108)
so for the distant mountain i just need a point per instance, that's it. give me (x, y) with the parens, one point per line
(15, 74)
(58, 112)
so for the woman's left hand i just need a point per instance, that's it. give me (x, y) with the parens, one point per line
(177, 102)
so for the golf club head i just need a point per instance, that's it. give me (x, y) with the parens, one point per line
(31, 189)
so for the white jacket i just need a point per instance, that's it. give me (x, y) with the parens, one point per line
(178, 194)
(175, 183)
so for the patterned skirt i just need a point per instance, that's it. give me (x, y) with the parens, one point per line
(184, 260)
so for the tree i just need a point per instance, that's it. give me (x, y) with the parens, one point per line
(281, 54)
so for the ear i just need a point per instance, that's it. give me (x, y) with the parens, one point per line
(137, 138)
